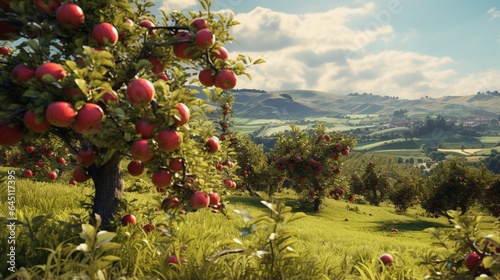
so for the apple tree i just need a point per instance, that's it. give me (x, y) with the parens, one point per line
(373, 185)
(309, 161)
(112, 81)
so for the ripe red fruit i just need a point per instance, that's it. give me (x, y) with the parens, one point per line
(148, 227)
(4, 50)
(140, 92)
(29, 149)
(86, 157)
(105, 34)
(207, 77)
(228, 183)
(339, 191)
(214, 198)
(72, 182)
(74, 93)
(219, 166)
(40, 164)
(128, 219)
(183, 50)
(168, 140)
(213, 144)
(88, 120)
(60, 114)
(163, 76)
(53, 70)
(61, 160)
(70, 16)
(338, 146)
(148, 24)
(328, 137)
(28, 173)
(471, 260)
(10, 134)
(225, 79)
(22, 73)
(222, 53)
(110, 97)
(170, 203)
(52, 175)
(140, 150)
(177, 164)
(135, 168)
(47, 6)
(386, 259)
(346, 151)
(174, 260)
(162, 178)
(204, 39)
(183, 115)
(80, 174)
(158, 67)
(199, 23)
(145, 128)
(199, 200)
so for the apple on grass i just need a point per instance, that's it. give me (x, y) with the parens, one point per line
(72, 182)
(175, 260)
(386, 259)
(128, 219)
(149, 227)
(70, 16)
(105, 34)
(135, 168)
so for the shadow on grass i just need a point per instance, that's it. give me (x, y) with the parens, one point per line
(256, 202)
(410, 225)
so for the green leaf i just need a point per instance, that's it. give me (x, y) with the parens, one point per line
(263, 195)
(110, 258)
(88, 232)
(104, 237)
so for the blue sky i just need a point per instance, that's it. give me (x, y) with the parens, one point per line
(405, 48)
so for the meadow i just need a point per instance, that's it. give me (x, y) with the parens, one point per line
(343, 237)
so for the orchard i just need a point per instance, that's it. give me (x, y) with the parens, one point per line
(111, 81)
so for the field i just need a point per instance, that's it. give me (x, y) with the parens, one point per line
(341, 236)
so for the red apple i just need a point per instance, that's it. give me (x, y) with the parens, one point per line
(140, 150)
(345, 152)
(40, 164)
(105, 34)
(22, 73)
(225, 79)
(72, 182)
(140, 92)
(158, 67)
(88, 120)
(213, 144)
(61, 160)
(28, 173)
(214, 198)
(80, 174)
(199, 200)
(135, 168)
(338, 146)
(29, 149)
(204, 39)
(174, 260)
(36, 123)
(228, 183)
(219, 166)
(52, 175)
(148, 24)
(128, 219)
(222, 53)
(145, 128)
(163, 76)
(70, 16)
(86, 157)
(339, 191)
(50, 71)
(177, 164)
(4, 50)
(60, 114)
(386, 259)
(471, 260)
(183, 50)
(207, 77)
(109, 97)
(199, 23)
(10, 134)
(170, 203)
(162, 178)
(183, 114)
(74, 93)
(168, 140)
(47, 6)
(149, 227)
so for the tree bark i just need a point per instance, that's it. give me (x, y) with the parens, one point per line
(317, 202)
(109, 184)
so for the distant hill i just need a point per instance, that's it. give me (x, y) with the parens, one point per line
(292, 104)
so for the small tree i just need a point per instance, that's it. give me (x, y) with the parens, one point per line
(375, 185)
(110, 79)
(454, 185)
(309, 161)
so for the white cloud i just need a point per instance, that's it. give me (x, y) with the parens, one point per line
(177, 5)
(325, 52)
(494, 13)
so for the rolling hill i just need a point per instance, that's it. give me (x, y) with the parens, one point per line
(294, 104)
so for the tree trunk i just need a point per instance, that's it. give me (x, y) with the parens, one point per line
(109, 184)
(317, 202)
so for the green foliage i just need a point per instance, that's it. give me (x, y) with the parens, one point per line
(451, 247)
(373, 185)
(405, 191)
(454, 186)
(491, 197)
